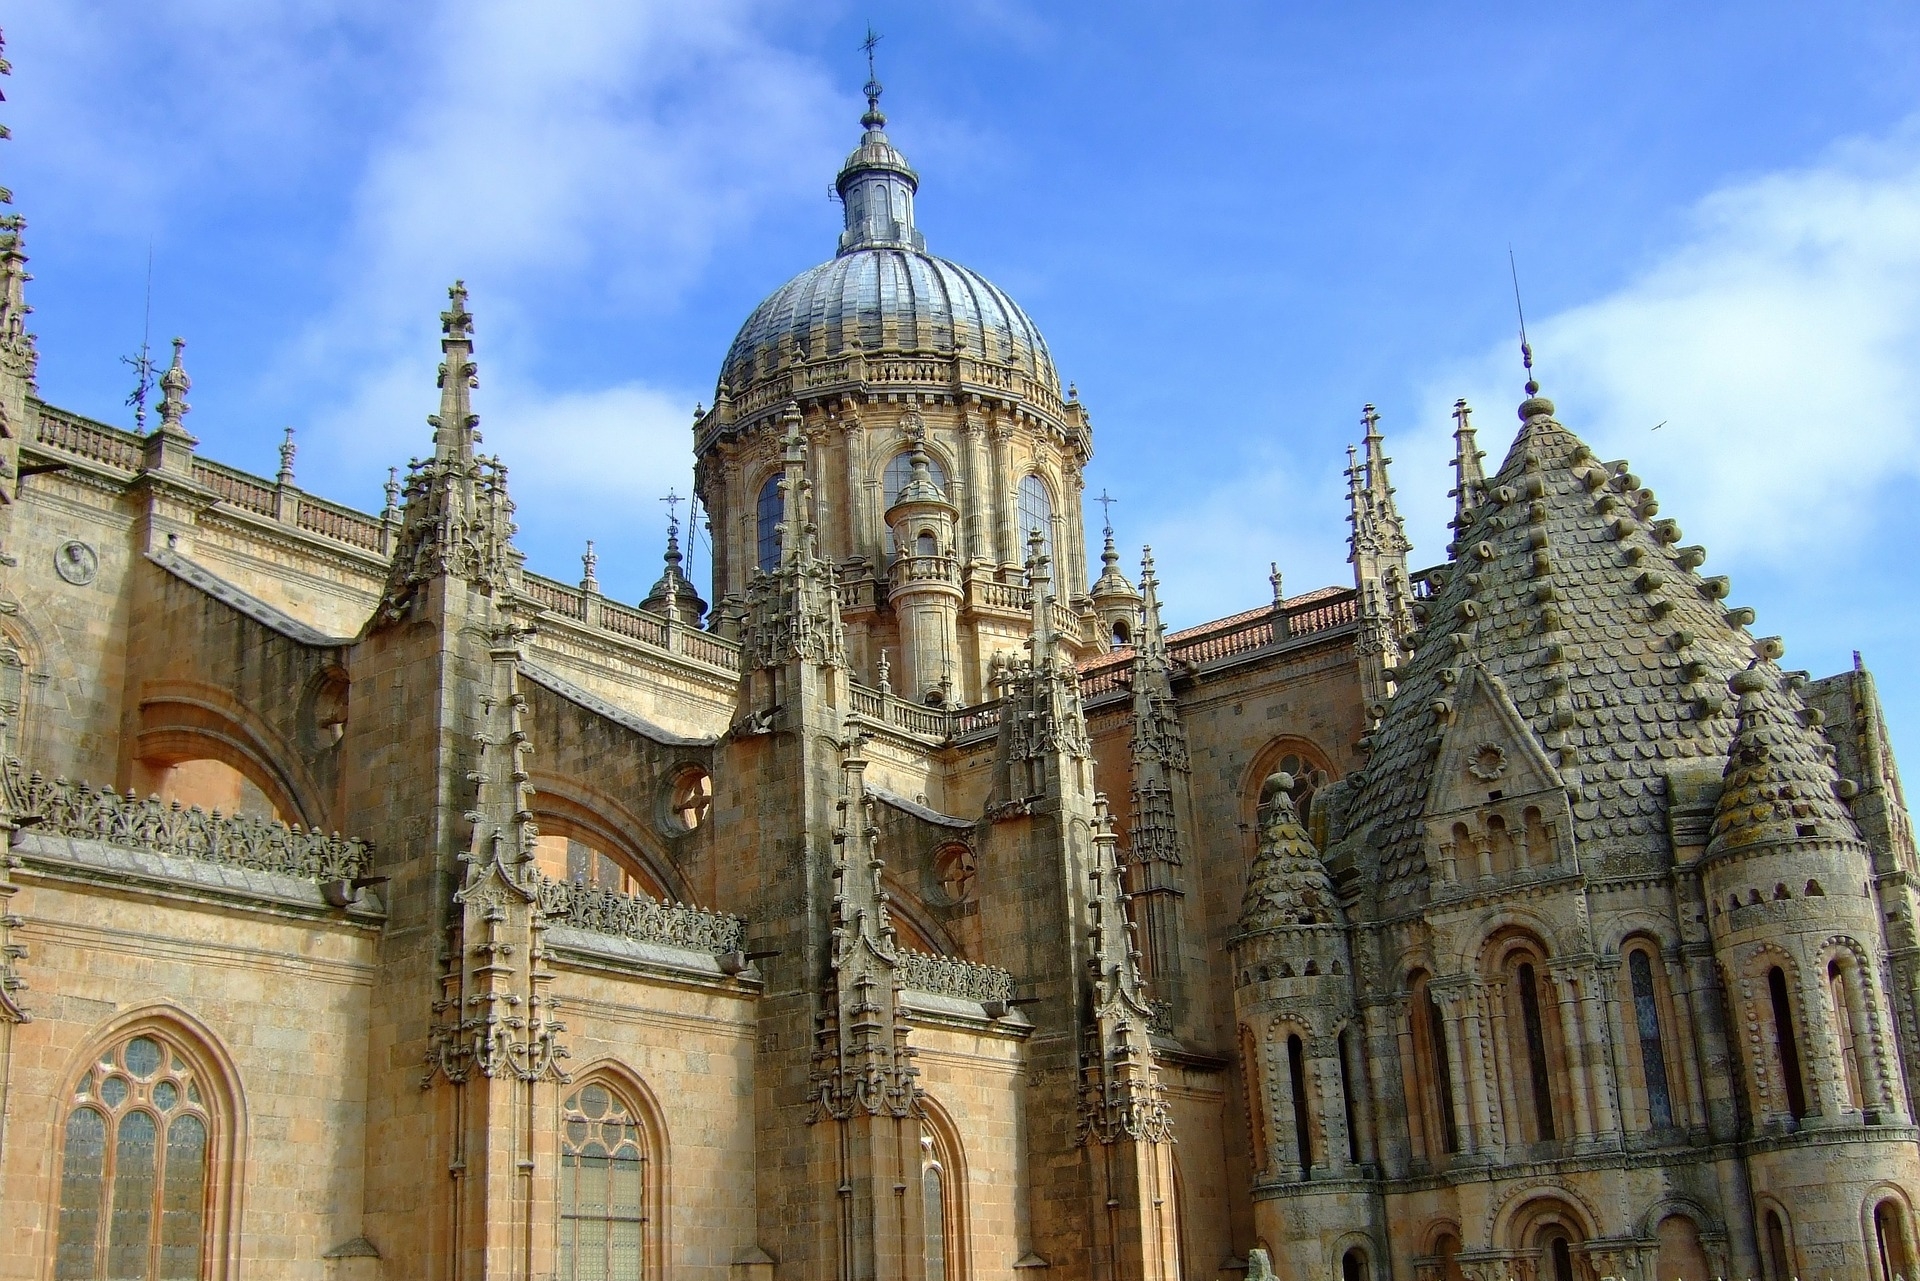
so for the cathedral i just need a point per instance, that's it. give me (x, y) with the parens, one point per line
(915, 906)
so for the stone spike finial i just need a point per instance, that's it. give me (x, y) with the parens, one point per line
(589, 562)
(1151, 644)
(1040, 581)
(1469, 477)
(174, 386)
(454, 434)
(287, 451)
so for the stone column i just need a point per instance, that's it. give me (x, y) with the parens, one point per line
(1450, 1001)
(979, 488)
(1513, 1125)
(1007, 545)
(1574, 1052)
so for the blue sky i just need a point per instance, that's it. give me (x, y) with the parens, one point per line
(1234, 223)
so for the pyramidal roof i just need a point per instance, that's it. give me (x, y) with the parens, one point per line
(1780, 783)
(1566, 587)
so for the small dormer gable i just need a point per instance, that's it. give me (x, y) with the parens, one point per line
(1497, 804)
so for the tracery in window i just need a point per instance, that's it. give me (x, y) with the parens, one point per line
(604, 1190)
(135, 1168)
(767, 516)
(1036, 512)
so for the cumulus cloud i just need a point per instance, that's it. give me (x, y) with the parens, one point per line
(1775, 343)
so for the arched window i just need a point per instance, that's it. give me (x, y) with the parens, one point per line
(1353, 1265)
(1559, 1256)
(136, 1167)
(1347, 1099)
(943, 1193)
(1036, 512)
(606, 1189)
(1432, 1068)
(900, 470)
(1890, 1241)
(1786, 1044)
(1446, 1251)
(1839, 993)
(1779, 1256)
(1526, 993)
(1533, 1060)
(767, 516)
(1681, 1256)
(1297, 1080)
(1646, 1025)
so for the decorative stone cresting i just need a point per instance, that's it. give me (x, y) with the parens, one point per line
(234, 840)
(952, 976)
(638, 917)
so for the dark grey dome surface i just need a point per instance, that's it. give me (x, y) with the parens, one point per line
(892, 300)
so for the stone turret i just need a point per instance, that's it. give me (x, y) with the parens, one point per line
(673, 596)
(1115, 602)
(924, 583)
(1293, 1000)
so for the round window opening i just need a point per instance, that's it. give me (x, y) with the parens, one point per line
(690, 799)
(953, 868)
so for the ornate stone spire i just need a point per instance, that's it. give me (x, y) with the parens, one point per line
(1469, 481)
(1377, 549)
(793, 611)
(174, 386)
(458, 519)
(1121, 1097)
(495, 1018)
(861, 1063)
(1114, 598)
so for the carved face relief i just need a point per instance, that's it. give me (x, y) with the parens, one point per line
(1489, 761)
(76, 562)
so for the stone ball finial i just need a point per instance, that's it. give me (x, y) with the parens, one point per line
(1535, 406)
(1278, 789)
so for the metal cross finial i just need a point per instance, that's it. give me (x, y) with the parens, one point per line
(1106, 502)
(1526, 348)
(673, 501)
(142, 363)
(873, 119)
(869, 44)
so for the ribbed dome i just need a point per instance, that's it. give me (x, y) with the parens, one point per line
(884, 292)
(893, 300)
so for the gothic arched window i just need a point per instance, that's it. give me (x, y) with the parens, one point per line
(1036, 512)
(136, 1167)
(767, 514)
(605, 1189)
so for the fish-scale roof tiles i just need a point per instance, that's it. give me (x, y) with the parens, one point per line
(1287, 884)
(1615, 651)
(1780, 781)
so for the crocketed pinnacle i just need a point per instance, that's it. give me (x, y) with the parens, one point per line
(1780, 785)
(1287, 884)
(1469, 480)
(1565, 587)
(453, 427)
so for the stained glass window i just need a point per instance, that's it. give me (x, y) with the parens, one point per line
(134, 1177)
(603, 1187)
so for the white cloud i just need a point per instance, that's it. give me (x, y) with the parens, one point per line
(1776, 342)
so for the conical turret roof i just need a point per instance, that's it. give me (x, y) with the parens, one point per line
(1287, 884)
(1615, 651)
(1780, 783)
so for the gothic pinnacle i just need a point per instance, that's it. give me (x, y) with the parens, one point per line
(453, 426)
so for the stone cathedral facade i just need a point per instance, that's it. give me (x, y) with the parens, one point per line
(375, 906)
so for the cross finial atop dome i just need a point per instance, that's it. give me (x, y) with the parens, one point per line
(875, 118)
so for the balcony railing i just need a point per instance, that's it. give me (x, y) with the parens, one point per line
(638, 917)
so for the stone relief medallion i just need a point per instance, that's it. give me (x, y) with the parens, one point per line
(1489, 762)
(76, 562)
